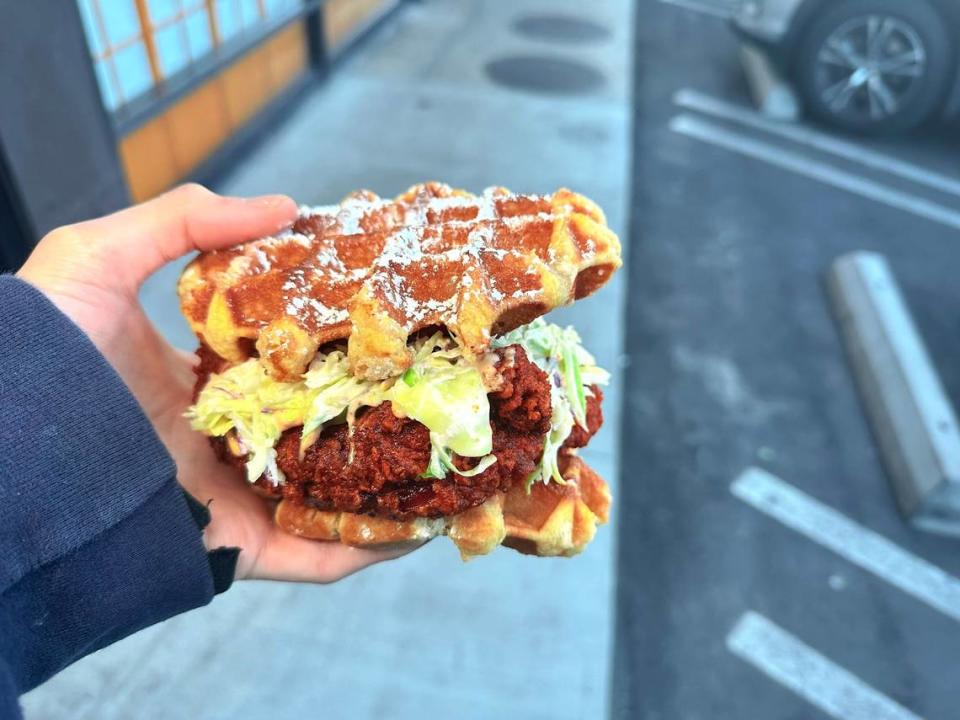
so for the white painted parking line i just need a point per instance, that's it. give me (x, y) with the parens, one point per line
(709, 105)
(705, 8)
(861, 546)
(817, 679)
(720, 136)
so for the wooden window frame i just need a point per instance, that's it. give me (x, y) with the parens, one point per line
(110, 50)
(129, 113)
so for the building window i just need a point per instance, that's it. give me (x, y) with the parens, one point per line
(137, 44)
(116, 40)
(181, 33)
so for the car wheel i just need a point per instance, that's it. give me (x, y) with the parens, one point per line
(875, 65)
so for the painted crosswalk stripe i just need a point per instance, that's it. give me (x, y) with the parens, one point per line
(861, 546)
(708, 105)
(715, 134)
(814, 677)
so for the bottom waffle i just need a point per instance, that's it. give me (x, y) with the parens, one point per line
(550, 520)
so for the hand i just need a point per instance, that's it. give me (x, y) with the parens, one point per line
(92, 272)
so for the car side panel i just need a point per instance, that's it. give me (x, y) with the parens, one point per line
(771, 23)
(951, 11)
(953, 103)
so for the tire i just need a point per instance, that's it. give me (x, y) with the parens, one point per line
(837, 64)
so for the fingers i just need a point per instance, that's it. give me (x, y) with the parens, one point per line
(294, 559)
(143, 238)
(189, 359)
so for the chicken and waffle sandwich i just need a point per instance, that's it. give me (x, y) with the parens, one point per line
(383, 374)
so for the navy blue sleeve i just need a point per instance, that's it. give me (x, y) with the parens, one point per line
(96, 537)
(9, 708)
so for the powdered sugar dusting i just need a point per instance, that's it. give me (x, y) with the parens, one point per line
(402, 248)
(516, 222)
(347, 217)
(303, 308)
(432, 255)
(306, 211)
(444, 307)
(326, 315)
(480, 237)
(487, 209)
(413, 245)
(326, 257)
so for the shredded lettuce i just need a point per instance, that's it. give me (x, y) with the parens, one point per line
(572, 370)
(441, 462)
(451, 400)
(246, 399)
(447, 394)
(334, 391)
(442, 389)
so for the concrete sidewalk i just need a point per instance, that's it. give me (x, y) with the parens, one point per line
(504, 636)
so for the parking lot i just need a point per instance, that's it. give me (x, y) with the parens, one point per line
(763, 569)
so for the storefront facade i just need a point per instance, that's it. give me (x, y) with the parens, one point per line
(112, 101)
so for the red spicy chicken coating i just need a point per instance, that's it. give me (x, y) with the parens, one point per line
(523, 401)
(579, 437)
(390, 454)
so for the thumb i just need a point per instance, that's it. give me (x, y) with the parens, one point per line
(132, 244)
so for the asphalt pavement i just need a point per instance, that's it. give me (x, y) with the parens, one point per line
(763, 569)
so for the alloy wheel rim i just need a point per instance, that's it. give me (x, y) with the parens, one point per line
(868, 67)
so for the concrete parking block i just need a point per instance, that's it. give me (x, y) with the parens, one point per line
(914, 423)
(771, 92)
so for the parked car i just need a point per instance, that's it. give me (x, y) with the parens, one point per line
(862, 65)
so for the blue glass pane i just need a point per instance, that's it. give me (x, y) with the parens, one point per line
(90, 27)
(228, 19)
(134, 71)
(198, 30)
(120, 17)
(160, 10)
(277, 7)
(249, 13)
(171, 49)
(106, 86)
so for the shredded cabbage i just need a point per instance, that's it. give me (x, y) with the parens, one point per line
(335, 391)
(246, 399)
(572, 370)
(447, 394)
(442, 389)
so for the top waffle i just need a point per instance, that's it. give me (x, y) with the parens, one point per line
(375, 271)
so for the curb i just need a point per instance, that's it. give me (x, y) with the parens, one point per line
(908, 409)
(772, 94)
